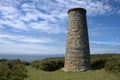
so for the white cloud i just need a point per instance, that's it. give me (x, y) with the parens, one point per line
(31, 49)
(93, 7)
(10, 17)
(41, 26)
(18, 44)
(104, 47)
(36, 40)
(22, 16)
(1, 27)
(117, 1)
(10, 3)
(4, 41)
(118, 11)
(44, 17)
(14, 24)
(48, 28)
(106, 43)
(29, 17)
(6, 10)
(9, 36)
(10, 39)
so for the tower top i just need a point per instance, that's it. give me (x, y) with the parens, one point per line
(77, 9)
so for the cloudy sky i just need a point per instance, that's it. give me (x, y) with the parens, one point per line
(40, 26)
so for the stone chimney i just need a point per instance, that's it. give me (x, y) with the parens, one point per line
(77, 48)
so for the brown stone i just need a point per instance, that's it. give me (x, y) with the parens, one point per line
(77, 48)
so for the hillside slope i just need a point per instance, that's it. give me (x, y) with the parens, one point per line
(35, 74)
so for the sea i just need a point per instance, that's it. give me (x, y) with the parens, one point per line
(28, 58)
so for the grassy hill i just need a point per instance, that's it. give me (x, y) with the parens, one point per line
(101, 74)
(105, 67)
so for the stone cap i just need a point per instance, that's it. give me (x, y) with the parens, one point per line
(77, 9)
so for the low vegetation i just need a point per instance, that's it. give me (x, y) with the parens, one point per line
(48, 64)
(105, 67)
(100, 74)
(12, 70)
(113, 64)
(109, 62)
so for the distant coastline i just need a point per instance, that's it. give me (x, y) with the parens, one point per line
(32, 57)
(27, 57)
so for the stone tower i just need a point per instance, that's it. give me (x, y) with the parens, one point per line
(77, 49)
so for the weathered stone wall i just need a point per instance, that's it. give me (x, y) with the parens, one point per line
(77, 48)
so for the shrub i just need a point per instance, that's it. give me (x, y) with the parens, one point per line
(113, 65)
(98, 64)
(26, 63)
(12, 70)
(105, 61)
(49, 64)
(109, 62)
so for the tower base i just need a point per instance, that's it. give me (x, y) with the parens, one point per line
(76, 70)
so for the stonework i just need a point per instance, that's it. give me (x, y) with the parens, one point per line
(77, 48)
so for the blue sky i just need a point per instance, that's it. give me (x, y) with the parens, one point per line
(40, 26)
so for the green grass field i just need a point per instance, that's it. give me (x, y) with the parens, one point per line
(35, 74)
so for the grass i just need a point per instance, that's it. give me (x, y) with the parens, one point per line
(35, 74)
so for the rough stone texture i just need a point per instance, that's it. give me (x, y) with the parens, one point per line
(77, 49)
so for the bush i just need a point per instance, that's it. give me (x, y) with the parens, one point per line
(99, 61)
(109, 62)
(113, 65)
(49, 64)
(12, 70)
(98, 64)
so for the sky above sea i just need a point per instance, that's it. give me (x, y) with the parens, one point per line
(40, 26)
